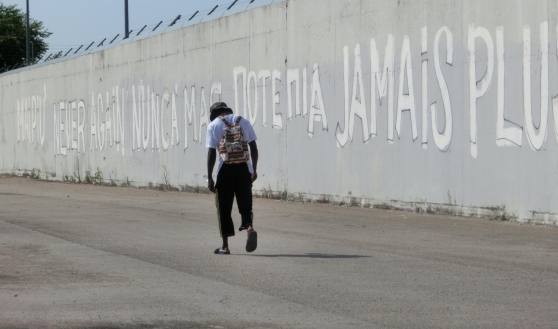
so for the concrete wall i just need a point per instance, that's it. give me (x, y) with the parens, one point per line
(438, 105)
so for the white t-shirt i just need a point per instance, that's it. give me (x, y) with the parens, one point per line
(215, 132)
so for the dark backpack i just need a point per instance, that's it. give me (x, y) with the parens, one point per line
(233, 147)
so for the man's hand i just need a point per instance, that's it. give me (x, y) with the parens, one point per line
(254, 176)
(211, 185)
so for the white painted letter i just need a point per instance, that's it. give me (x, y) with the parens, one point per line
(406, 102)
(156, 121)
(165, 102)
(190, 115)
(145, 116)
(477, 89)
(277, 120)
(512, 135)
(136, 123)
(74, 121)
(443, 139)
(317, 109)
(93, 140)
(81, 125)
(293, 80)
(263, 75)
(358, 102)
(343, 136)
(536, 140)
(382, 83)
(62, 126)
(252, 112)
(424, 74)
(204, 117)
(240, 70)
(174, 120)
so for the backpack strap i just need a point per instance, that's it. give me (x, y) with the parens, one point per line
(225, 121)
(237, 121)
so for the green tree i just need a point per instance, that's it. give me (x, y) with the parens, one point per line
(13, 36)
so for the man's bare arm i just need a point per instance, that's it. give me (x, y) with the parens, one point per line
(254, 155)
(211, 157)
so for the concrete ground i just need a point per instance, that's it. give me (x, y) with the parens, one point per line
(83, 256)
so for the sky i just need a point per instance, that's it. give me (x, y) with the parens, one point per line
(81, 22)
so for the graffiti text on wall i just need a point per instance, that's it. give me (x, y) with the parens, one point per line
(102, 120)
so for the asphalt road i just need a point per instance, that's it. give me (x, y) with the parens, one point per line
(83, 256)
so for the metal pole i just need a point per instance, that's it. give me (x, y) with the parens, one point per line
(126, 27)
(27, 37)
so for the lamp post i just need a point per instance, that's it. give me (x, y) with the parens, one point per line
(27, 36)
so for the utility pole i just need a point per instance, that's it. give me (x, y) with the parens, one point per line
(27, 37)
(126, 27)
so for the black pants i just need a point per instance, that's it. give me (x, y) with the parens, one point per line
(233, 179)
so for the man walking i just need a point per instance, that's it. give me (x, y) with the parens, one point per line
(235, 139)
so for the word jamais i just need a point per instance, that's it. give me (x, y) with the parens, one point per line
(142, 118)
(382, 86)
